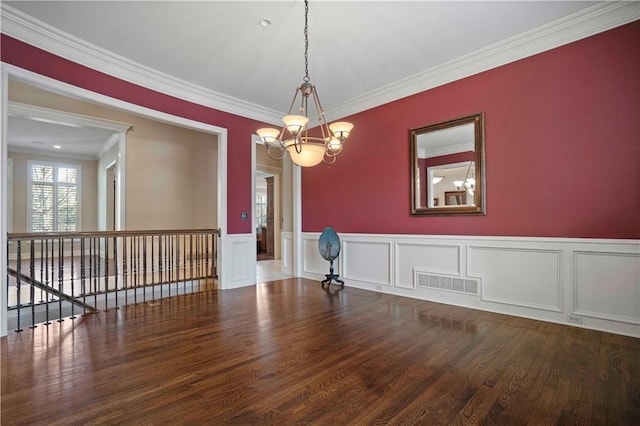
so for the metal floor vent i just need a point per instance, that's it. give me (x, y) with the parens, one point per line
(442, 282)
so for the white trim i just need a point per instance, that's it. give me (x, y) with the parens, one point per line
(52, 154)
(64, 118)
(4, 82)
(121, 183)
(587, 22)
(109, 144)
(47, 83)
(10, 184)
(254, 140)
(32, 31)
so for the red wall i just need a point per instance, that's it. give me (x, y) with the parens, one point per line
(239, 129)
(562, 150)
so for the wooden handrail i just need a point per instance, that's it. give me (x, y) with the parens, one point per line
(27, 236)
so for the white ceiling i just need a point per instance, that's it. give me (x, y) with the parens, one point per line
(356, 48)
(27, 134)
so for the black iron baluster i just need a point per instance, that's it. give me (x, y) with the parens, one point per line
(32, 275)
(140, 263)
(99, 272)
(168, 262)
(132, 267)
(160, 269)
(144, 266)
(175, 261)
(83, 275)
(115, 270)
(125, 271)
(18, 283)
(208, 269)
(42, 267)
(153, 261)
(188, 249)
(94, 271)
(60, 276)
(106, 273)
(73, 291)
(47, 282)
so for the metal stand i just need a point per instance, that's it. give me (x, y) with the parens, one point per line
(331, 277)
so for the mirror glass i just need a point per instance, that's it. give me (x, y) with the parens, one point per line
(447, 170)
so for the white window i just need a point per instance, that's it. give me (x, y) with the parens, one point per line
(54, 197)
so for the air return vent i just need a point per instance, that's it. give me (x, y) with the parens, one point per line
(443, 282)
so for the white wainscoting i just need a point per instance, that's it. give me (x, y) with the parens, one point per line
(287, 252)
(591, 283)
(237, 261)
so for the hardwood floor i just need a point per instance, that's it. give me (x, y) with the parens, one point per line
(289, 352)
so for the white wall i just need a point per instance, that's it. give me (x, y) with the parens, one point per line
(561, 280)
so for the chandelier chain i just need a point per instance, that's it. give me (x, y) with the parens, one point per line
(306, 42)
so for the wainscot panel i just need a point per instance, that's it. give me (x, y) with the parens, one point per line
(606, 286)
(426, 257)
(367, 261)
(528, 278)
(238, 261)
(287, 252)
(589, 283)
(313, 262)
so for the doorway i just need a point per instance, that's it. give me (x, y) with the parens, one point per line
(267, 210)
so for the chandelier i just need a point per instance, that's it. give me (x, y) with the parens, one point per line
(305, 150)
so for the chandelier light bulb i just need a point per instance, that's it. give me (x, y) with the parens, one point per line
(295, 123)
(341, 129)
(268, 135)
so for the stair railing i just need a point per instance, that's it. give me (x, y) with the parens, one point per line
(52, 276)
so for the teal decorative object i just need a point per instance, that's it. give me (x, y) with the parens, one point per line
(329, 246)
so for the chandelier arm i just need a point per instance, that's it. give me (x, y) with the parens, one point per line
(304, 104)
(284, 154)
(331, 161)
(324, 127)
(293, 101)
(335, 153)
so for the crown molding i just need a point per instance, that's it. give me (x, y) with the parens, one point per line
(41, 35)
(593, 20)
(108, 145)
(64, 118)
(57, 155)
(590, 21)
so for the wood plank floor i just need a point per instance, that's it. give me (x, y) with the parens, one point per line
(289, 352)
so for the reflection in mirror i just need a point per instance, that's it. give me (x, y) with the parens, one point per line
(448, 167)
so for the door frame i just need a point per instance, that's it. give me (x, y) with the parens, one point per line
(8, 72)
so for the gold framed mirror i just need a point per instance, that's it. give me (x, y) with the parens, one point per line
(448, 167)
